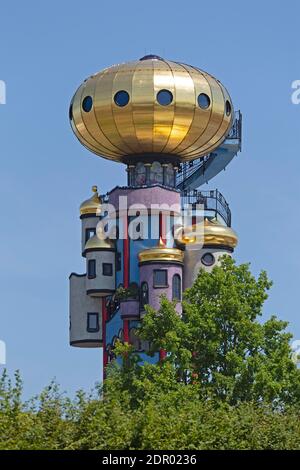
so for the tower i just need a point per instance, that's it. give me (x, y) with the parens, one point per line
(174, 128)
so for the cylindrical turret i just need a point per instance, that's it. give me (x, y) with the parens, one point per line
(161, 274)
(100, 266)
(204, 244)
(89, 214)
(85, 315)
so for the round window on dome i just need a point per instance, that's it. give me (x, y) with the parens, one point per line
(164, 97)
(208, 259)
(203, 101)
(121, 98)
(87, 104)
(228, 108)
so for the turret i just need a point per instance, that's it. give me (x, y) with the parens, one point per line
(204, 244)
(85, 315)
(89, 214)
(100, 265)
(161, 274)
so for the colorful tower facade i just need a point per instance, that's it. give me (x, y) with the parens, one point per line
(174, 128)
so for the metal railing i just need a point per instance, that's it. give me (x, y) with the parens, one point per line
(213, 201)
(187, 169)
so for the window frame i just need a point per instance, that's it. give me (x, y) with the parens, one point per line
(94, 273)
(88, 231)
(88, 328)
(205, 263)
(142, 303)
(118, 261)
(160, 286)
(175, 277)
(103, 269)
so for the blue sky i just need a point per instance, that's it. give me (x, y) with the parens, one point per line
(47, 49)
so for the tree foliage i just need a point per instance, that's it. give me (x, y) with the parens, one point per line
(228, 381)
(220, 342)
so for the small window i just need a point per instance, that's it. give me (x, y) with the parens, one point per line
(71, 112)
(91, 268)
(144, 295)
(107, 269)
(87, 104)
(176, 287)
(89, 233)
(92, 322)
(121, 98)
(119, 261)
(228, 108)
(164, 97)
(203, 101)
(208, 259)
(160, 278)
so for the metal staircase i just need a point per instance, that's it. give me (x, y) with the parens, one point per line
(195, 173)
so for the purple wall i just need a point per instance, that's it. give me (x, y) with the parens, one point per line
(145, 196)
(146, 275)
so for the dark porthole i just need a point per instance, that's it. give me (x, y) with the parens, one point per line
(164, 97)
(228, 108)
(71, 112)
(121, 98)
(208, 259)
(203, 101)
(87, 104)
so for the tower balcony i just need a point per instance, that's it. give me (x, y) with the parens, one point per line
(213, 202)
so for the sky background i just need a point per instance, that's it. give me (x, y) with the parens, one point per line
(47, 50)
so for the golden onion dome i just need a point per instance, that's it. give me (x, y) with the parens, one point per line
(208, 232)
(91, 205)
(161, 253)
(151, 106)
(96, 243)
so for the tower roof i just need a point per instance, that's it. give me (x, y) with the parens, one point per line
(161, 253)
(91, 205)
(208, 232)
(151, 107)
(99, 242)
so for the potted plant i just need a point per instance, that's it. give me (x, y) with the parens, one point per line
(129, 300)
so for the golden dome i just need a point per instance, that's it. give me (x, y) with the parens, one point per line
(161, 253)
(92, 205)
(209, 232)
(96, 243)
(151, 106)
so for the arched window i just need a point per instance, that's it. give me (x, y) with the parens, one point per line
(144, 294)
(176, 287)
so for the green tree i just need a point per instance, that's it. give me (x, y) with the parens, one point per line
(228, 381)
(219, 342)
